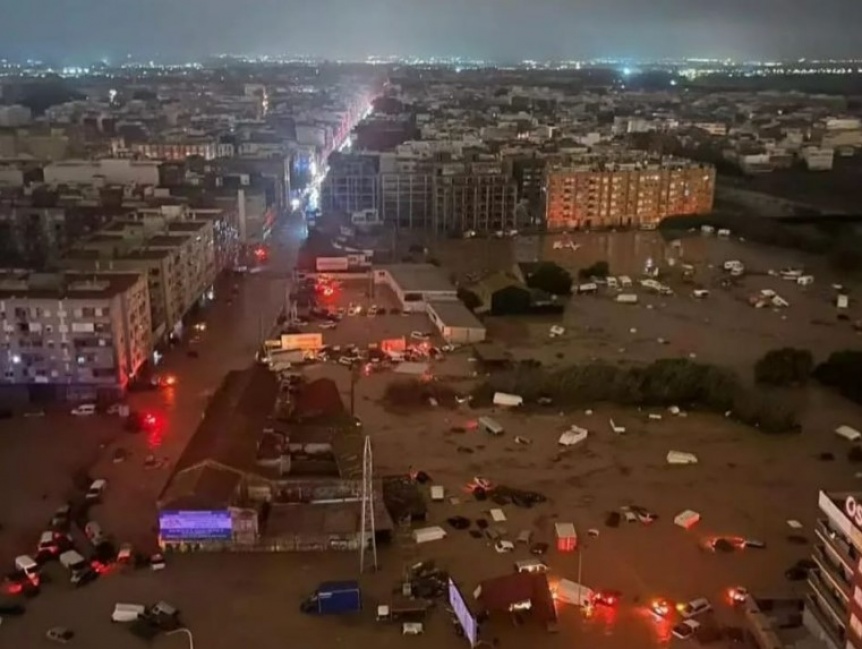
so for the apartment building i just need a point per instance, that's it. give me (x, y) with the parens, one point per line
(180, 149)
(177, 257)
(833, 607)
(112, 171)
(72, 336)
(621, 195)
(424, 194)
(475, 199)
(36, 237)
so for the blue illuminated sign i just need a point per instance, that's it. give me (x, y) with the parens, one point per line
(195, 525)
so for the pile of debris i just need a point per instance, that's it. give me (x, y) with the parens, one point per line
(427, 581)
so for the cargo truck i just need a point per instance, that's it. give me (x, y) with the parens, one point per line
(334, 598)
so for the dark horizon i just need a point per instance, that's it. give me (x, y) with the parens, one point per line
(499, 30)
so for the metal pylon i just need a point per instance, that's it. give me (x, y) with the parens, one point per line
(367, 540)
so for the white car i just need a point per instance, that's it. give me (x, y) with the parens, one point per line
(419, 335)
(503, 547)
(695, 607)
(686, 629)
(84, 410)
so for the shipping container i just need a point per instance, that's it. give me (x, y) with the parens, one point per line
(334, 598)
(567, 537)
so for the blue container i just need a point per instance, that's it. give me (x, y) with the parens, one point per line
(336, 597)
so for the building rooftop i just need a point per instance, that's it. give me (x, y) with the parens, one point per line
(453, 313)
(65, 286)
(419, 277)
(229, 435)
(171, 240)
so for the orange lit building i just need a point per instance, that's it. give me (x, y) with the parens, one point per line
(621, 195)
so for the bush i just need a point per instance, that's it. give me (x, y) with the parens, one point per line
(550, 278)
(662, 383)
(842, 372)
(784, 367)
(404, 394)
(598, 269)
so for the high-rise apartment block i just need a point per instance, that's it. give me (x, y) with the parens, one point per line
(597, 195)
(833, 607)
(72, 335)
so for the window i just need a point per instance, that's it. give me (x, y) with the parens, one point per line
(856, 624)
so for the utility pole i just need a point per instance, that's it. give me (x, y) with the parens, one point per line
(354, 379)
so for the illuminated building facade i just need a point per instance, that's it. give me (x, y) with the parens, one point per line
(623, 195)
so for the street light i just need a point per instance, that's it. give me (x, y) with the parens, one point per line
(187, 632)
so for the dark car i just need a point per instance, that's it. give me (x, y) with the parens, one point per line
(12, 606)
(85, 576)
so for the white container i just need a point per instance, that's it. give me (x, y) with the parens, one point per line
(687, 519)
(428, 534)
(127, 612)
(848, 433)
(508, 400)
(437, 493)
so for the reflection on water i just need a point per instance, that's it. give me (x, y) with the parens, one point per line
(627, 253)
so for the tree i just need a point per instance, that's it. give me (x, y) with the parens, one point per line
(784, 367)
(550, 278)
(469, 298)
(842, 372)
(598, 269)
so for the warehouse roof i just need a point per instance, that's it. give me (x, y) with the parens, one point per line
(419, 277)
(454, 314)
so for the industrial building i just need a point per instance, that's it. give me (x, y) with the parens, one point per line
(455, 322)
(626, 194)
(72, 336)
(256, 478)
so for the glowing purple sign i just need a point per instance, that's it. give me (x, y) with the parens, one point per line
(195, 525)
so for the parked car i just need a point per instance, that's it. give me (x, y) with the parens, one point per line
(695, 607)
(84, 410)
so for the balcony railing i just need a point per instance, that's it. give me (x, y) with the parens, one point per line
(833, 571)
(835, 631)
(836, 541)
(826, 592)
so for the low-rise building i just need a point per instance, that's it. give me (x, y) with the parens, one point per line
(72, 336)
(416, 285)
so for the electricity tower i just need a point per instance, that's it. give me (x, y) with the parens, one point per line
(367, 541)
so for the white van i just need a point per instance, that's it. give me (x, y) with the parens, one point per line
(127, 612)
(94, 493)
(85, 409)
(531, 565)
(26, 564)
(848, 433)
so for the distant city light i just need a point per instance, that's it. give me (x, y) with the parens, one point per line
(627, 72)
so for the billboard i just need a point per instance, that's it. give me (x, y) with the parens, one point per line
(310, 342)
(332, 264)
(463, 614)
(209, 525)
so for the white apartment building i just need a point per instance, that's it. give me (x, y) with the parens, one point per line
(112, 171)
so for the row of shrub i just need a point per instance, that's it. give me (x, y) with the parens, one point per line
(788, 366)
(663, 383)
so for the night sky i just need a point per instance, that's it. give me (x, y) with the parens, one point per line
(78, 31)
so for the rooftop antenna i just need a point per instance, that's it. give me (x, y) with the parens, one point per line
(367, 540)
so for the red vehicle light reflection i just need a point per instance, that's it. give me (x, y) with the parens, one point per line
(14, 589)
